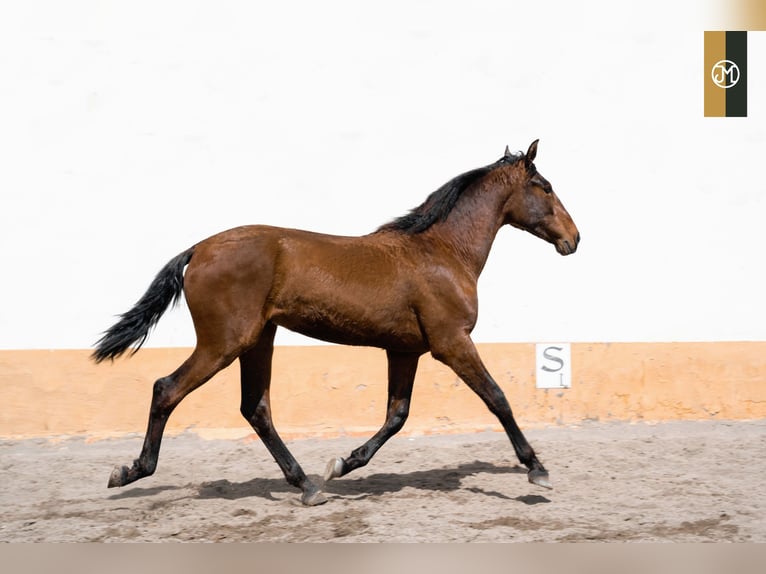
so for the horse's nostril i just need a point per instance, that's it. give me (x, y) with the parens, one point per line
(577, 239)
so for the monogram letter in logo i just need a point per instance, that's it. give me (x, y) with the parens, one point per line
(725, 74)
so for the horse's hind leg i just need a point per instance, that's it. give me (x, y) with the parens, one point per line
(255, 367)
(167, 393)
(401, 375)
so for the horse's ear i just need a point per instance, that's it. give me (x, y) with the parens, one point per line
(531, 153)
(508, 152)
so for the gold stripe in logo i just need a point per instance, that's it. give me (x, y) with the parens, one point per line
(715, 97)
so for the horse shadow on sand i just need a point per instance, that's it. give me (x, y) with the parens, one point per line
(437, 480)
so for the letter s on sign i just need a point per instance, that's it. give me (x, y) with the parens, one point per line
(547, 354)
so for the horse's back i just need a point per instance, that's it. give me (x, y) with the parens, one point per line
(350, 290)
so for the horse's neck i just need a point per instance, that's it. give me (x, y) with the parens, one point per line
(471, 228)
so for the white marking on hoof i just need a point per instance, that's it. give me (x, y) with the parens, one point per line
(334, 469)
(117, 476)
(314, 500)
(539, 478)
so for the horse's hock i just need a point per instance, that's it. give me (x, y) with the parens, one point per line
(325, 391)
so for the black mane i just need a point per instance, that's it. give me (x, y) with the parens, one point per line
(440, 203)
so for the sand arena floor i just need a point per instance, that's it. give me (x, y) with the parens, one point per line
(675, 482)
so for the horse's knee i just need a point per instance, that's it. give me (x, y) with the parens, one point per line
(262, 419)
(495, 399)
(259, 416)
(247, 410)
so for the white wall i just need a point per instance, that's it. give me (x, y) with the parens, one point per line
(129, 130)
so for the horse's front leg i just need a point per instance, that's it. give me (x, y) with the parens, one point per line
(401, 375)
(461, 356)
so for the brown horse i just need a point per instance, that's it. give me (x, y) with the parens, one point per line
(409, 288)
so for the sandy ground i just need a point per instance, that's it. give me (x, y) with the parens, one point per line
(679, 482)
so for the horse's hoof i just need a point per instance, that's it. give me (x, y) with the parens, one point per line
(119, 477)
(334, 469)
(314, 499)
(540, 478)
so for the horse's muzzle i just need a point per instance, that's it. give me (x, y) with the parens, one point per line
(568, 246)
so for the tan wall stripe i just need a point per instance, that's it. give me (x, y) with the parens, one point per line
(329, 391)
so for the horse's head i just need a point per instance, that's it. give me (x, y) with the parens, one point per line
(533, 206)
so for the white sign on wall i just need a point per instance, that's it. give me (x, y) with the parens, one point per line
(553, 366)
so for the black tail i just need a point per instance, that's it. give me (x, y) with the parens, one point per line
(133, 326)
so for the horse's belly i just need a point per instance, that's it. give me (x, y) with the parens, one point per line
(387, 331)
